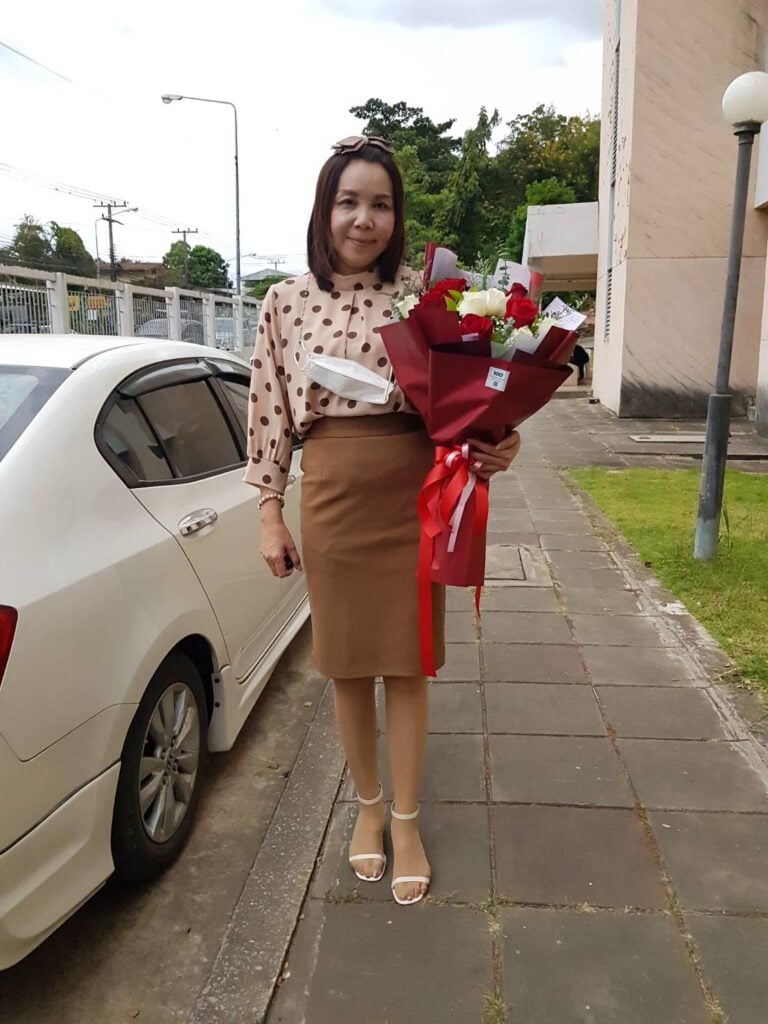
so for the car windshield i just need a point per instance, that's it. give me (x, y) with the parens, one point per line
(24, 390)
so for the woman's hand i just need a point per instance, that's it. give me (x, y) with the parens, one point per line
(276, 543)
(487, 459)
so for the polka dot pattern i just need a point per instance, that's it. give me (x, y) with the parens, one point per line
(344, 322)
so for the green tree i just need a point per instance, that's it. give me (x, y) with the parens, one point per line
(405, 126)
(539, 193)
(260, 288)
(463, 221)
(207, 268)
(69, 253)
(31, 245)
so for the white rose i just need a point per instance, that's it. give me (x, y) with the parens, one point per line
(405, 307)
(496, 302)
(473, 302)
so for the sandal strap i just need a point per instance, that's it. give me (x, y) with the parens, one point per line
(404, 817)
(377, 799)
(410, 878)
(369, 856)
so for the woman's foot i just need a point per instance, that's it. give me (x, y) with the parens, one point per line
(368, 837)
(410, 860)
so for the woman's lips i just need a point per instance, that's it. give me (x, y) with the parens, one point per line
(360, 243)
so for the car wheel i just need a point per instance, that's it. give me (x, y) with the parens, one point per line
(161, 772)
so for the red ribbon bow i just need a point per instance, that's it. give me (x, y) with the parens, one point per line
(443, 496)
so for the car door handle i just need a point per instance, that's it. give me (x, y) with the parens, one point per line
(291, 479)
(197, 521)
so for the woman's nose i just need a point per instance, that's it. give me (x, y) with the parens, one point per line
(364, 217)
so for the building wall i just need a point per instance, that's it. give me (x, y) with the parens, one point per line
(673, 207)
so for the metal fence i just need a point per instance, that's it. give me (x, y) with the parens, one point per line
(41, 302)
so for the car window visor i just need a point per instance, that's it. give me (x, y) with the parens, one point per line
(163, 377)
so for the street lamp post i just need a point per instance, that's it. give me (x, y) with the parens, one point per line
(169, 98)
(745, 105)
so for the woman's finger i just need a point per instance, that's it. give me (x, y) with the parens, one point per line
(295, 557)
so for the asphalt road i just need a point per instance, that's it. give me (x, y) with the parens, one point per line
(143, 953)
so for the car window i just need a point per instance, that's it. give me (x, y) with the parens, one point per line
(127, 435)
(24, 390)
(192, 428)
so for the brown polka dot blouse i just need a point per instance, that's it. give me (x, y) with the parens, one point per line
(342, 322)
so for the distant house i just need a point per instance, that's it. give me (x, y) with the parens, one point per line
(261, 275)
(146, 273)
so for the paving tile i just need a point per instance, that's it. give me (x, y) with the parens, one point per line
(454, 707)
(637, 666)
(542, 708)
(533, 663)
(733, 956)
(528, 540)
(622, 630)
(525, 628)
(565, 967)
(460, 627)
(596, 601)
(600, 579)
(557, 770)
(716, 861)
(371, 965)
(517, 520)
(455, 837)
(575, 855)
(503, 562)
(552, 500)
(571, 542)
(459, 599)
(509, 500)
(518, 599)
(454, 769)
(691, 775)
(462, 663)
(560, 521)
(580, 560)
(661, 712)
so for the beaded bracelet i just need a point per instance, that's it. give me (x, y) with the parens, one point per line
(270, 497)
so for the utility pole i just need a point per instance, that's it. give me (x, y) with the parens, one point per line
(109, 207)
(184, 232)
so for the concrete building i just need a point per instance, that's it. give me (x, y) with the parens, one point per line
(668, 162)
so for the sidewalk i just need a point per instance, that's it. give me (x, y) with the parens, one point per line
(594, 810)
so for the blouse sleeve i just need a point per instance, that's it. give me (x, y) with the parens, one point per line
(269, 421)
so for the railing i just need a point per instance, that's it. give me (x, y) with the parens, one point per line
(44, 302)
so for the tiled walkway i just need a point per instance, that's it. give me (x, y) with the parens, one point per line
(595, 814)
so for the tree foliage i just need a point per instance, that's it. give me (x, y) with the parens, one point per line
(48, 247)
(207, 268)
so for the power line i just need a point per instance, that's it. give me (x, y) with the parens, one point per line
(32, 60)
(184, 232)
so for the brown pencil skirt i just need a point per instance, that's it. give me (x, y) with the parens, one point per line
(360, 543)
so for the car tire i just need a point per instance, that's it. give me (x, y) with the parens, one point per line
(157, 791)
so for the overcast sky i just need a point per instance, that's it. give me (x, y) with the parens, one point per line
(292, 68)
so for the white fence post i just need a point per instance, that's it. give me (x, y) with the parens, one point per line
(124, 298)
(237, 315)
(174, 313)
(209, 316)
(58, 302)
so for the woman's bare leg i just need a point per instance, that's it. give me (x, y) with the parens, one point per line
(406, 704)
(356, 721)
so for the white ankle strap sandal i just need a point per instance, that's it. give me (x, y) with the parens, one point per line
(408, 878)
(370, 856)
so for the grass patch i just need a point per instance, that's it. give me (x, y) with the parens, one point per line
(494, 1009)
(656, 511)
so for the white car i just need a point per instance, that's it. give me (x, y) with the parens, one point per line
(138, 622)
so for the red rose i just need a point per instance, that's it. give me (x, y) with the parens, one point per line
(522, 311)
(473, 324)
(518, 291)
(439, 291)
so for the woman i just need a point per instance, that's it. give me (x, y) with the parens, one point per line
(363, 464)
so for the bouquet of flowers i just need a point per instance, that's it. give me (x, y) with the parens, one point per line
(474, 362)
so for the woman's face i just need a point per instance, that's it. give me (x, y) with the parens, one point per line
(362, 216)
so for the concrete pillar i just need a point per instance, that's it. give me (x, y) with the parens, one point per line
(58, 302)
(761, 391)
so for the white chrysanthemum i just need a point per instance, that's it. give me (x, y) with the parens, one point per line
(405, 307)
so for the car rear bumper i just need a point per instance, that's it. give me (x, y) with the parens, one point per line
(55, 867)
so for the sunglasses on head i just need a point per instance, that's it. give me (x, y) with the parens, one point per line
(354, 143)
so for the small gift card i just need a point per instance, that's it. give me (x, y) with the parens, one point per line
(497, 379)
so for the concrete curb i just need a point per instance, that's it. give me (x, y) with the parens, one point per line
(250, 959)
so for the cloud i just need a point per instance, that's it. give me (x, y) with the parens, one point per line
(582, 17)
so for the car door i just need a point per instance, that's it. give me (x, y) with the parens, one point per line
(206, 506)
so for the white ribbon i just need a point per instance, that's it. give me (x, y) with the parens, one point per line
(469, 486)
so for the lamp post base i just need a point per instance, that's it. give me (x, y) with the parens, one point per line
(712, 477)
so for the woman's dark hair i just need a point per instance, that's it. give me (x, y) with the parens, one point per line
(320, 252)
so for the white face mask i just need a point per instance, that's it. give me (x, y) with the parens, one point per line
(348, 379)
